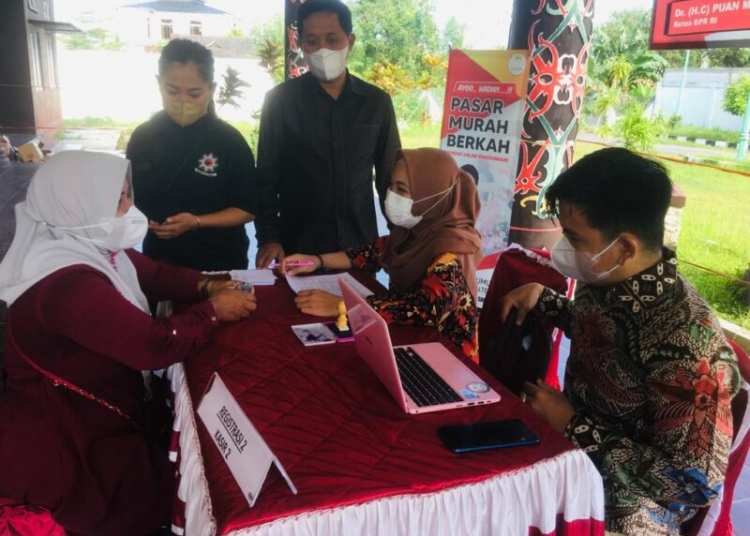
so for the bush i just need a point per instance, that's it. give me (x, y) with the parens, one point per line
(705, 133)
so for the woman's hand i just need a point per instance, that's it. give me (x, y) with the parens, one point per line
(310, 263)
(523, 299)
(232, 305)
(317, 302)
(175, 226)
(551, 404)
(215, 285)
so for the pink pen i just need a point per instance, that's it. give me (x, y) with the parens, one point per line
(292, 264)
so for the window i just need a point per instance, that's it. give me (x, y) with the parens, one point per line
(35, 53)
(195, 27)
(166, 28)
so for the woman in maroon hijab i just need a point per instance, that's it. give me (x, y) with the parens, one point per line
(430, 255)
(75, 434)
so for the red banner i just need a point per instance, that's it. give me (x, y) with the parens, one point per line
(682, 24)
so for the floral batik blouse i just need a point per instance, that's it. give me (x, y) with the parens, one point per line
(441, 299)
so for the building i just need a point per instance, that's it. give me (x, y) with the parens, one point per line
(151, 23)
(29, 90)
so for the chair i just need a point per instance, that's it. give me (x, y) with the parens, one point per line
(514, 354)
(716, 520)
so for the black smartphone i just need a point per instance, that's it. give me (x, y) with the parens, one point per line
(487, 435)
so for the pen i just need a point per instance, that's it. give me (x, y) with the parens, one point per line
(292, 264)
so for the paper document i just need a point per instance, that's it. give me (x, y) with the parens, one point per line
(329, 283)
(257, 278)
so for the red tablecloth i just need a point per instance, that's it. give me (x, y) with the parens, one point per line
(360, 464)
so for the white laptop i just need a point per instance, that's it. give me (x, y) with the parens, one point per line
(421, 377)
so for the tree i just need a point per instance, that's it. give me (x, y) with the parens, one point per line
(231, 91)
(625, 38)
(268, 40)
(622, 68)
(94, 39)
(735, 97)
(712, 57)
(399, 32)
(453, 35)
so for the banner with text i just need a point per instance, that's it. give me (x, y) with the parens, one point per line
(683, 24)
(482, 122)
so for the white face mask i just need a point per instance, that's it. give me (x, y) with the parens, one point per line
(327, 64)
(398, 208)
(579, 265)
(121, 232)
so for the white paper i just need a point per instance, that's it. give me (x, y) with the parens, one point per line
(257, 278)
(329, 283)
(241, 446)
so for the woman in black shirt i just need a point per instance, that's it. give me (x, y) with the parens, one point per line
(193, 174)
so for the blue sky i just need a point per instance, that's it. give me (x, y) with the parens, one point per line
(487, 21)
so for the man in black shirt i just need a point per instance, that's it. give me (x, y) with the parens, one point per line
(321, 134)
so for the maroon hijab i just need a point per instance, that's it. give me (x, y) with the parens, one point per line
(447, 227)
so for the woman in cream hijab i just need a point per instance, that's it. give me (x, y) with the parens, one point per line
(74, 427)
(430, 255)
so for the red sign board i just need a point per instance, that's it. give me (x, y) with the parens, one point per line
(682, 24)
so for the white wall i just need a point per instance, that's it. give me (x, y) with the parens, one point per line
(702, 97)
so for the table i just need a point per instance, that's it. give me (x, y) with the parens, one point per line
(362, 466)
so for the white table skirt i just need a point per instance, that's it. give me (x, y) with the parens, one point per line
(508, 504)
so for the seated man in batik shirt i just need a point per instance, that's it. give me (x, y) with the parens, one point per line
(650, 377)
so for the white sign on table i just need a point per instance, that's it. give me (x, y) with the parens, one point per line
(241, 446)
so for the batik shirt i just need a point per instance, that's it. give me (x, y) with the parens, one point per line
(651, 378)
(441, 299)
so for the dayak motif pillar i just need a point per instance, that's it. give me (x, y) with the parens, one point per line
(558, 35)
(295, 62)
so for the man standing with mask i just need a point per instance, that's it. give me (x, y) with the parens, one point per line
(650, 377)
(193, 174)
(321, 135)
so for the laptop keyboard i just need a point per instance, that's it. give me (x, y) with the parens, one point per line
(422, 383)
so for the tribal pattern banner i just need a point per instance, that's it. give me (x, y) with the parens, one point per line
(295, 61)
(558, 36)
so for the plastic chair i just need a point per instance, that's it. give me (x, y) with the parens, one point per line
(716, 520)
(514, 354)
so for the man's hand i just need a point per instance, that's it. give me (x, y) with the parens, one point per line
(174, 226)
(233, 305)
(267, 253)
(550, 403)
(317, 302)
(523, 299)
